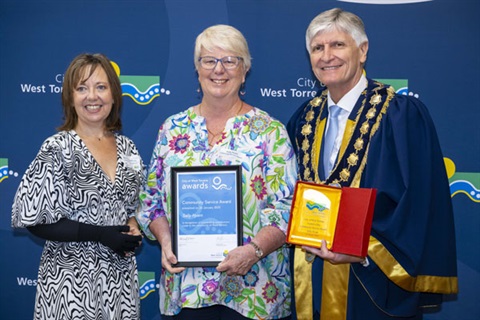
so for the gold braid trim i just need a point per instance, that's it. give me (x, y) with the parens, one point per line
(310, 152)
(358, 175)
(390, 95)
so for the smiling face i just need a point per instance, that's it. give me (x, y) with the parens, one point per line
(92, 98)
(337, 61)
(219, 82)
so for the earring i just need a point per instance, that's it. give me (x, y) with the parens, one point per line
(199, 91)
(242, 89)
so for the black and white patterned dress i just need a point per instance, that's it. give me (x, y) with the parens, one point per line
(81, 280)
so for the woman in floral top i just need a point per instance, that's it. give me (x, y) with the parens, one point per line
(253, 281)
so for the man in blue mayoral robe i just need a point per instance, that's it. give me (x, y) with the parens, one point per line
(384, 141)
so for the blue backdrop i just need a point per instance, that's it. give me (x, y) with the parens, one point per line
(425, 48)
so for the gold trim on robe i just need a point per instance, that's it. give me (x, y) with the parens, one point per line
(395, 272)
(353, 149)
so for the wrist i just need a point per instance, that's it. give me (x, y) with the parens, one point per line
(89, 232)
(258, 250)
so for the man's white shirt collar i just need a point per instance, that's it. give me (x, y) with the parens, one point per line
(348, 101)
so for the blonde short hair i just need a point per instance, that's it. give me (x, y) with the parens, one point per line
(226, 38)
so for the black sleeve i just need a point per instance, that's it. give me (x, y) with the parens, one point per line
(63, 230)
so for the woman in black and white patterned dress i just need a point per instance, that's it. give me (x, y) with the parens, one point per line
(80, 194)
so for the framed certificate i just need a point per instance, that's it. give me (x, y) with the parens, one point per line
(207, 214)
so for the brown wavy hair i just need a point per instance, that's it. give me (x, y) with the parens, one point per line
(77, 73)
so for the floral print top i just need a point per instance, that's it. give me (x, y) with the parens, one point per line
(260, 144)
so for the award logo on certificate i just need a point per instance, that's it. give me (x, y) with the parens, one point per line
(340, 216)
(207, 218)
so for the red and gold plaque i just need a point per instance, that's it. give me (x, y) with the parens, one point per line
(340, 216)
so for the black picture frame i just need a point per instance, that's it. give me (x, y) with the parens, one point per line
(207, 214)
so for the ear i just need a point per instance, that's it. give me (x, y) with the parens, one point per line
(245, 75)
(363, 52)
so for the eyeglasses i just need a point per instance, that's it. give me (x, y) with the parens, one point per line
(228, 63)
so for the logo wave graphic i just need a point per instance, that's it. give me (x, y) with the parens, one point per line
(145, 97)
(462, 182)
(223, 186)
(218, 185)
(142, 89)
(3, 169)
(3, 173)
(147, 288)
(465, 187)
(147, 283)
(312, 206)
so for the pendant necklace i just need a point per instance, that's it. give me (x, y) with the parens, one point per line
(212, 137)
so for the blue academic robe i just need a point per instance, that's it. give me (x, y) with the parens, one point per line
(412, 249)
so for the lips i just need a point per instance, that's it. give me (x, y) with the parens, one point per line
(219, 81)
(330, 68)
(93, 107)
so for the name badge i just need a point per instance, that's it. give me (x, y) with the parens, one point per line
(133, 162)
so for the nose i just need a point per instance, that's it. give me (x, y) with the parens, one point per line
(219, 68)
(327, 53)
(92, 94)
